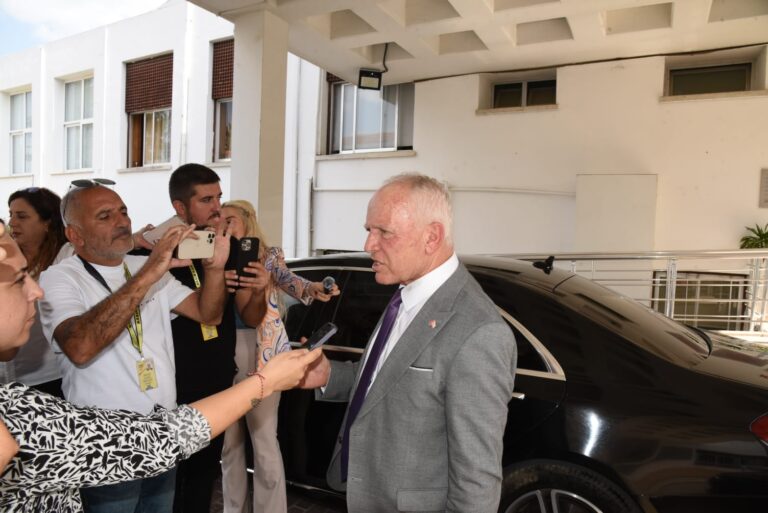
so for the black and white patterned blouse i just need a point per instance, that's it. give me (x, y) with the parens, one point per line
(63, 447)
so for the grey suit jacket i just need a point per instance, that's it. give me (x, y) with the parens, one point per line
(429, 435)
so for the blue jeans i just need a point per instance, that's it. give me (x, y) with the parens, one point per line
(150, 495)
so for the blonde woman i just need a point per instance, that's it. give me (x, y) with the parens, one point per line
(254, 348)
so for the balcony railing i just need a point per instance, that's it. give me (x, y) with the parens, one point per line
(722, 290)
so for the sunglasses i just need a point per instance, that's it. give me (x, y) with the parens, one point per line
(83, 183)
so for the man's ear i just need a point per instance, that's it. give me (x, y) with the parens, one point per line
(435, 236)
(180, 208)
(73, 236)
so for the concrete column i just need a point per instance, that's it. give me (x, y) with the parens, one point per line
(258, 120)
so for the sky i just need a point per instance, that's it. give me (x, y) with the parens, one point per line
(29, 23)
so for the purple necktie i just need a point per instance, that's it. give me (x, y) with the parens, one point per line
(366, 376)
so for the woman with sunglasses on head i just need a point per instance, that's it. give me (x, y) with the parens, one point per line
(36, 226)
(50, 448)
(253, 349)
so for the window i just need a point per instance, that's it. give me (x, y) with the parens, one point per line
(223, 130)
(78, 124)
(148, 94)
(525, 94)
(712, 79)
(707, 300)
(21, 133)
(221, 92)
(150, 139)
(370, 120)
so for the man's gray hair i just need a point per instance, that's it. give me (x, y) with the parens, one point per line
(432, 199)
(68, 205)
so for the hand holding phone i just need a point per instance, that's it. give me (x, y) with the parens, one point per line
(321, 335)
(201, 247)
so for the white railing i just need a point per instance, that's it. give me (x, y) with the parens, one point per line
(724, 290)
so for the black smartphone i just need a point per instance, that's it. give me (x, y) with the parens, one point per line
(321, 335)
(247, 251)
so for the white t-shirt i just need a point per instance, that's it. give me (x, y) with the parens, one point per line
(110, 380)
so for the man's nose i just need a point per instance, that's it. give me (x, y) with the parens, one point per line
(370, 243)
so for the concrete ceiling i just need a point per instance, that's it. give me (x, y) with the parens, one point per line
(433, 38)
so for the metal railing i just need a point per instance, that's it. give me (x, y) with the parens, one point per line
(723, 290)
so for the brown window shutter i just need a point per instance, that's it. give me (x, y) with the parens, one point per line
(149, 84)
(223, 66)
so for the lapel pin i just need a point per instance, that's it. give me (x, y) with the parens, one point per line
(432, 324)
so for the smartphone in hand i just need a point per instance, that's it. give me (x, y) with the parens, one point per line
(201, 247)
(247, 251)
(321, 335)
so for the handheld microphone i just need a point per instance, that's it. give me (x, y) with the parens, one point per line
(328, 283)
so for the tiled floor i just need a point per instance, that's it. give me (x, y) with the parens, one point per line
(299, 501)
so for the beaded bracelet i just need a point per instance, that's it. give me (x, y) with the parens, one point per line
(255, 402)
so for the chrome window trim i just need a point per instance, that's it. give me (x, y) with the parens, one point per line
(554, 370)
(331, 268)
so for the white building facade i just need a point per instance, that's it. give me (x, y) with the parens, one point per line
(612, 160)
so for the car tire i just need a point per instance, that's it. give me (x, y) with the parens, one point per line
(545, 486)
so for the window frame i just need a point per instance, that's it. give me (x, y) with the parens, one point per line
(746, 66)
(25, 132)
(217, 130)
(523, 92)
(340, 115)
(81, 122)
(131, 139)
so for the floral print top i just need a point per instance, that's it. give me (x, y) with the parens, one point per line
(63, 447)
(271, 332)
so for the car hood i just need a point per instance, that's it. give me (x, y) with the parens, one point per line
(737, 360)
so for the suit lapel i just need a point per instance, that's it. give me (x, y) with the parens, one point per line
(416, 338)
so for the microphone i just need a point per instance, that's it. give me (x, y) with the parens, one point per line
(328, 283)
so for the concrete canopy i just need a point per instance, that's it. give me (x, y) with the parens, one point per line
(433, 38)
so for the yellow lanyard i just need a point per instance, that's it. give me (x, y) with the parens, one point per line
(135, 330)
(195, 277)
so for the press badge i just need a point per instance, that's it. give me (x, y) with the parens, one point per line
(145, 368)
(209, 332)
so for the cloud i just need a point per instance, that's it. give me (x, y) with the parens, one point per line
(55, 19)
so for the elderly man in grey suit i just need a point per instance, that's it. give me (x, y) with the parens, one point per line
(428, 401)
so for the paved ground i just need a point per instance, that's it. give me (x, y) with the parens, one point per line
(299, 501)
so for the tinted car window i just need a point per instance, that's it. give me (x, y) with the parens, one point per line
(362, 303)
(300, 319)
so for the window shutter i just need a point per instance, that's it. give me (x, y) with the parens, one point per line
(223, 66)
(149, 84)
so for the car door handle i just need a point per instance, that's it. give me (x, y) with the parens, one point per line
(518, 395)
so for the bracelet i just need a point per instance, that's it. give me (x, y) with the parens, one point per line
(255, 402)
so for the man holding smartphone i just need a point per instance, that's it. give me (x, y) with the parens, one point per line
(205, 354)
(108, 316)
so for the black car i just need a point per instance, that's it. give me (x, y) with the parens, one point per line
(616, 409)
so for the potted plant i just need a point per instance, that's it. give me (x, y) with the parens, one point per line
(757, 238)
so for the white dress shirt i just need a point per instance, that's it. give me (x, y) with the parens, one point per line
(414, 295)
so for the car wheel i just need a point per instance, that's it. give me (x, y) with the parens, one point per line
(559, 487)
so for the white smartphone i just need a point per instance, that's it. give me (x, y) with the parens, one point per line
(156, 233)
(201, 247)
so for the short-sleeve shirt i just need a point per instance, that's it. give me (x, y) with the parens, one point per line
(110, 379)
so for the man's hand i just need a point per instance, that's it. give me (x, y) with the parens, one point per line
(161, 258)
(138, 238)
(220, 249)
(317, 373)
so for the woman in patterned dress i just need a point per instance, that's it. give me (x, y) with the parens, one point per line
(253, 349)
(50, 448)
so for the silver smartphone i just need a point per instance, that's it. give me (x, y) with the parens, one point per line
(201, 247)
